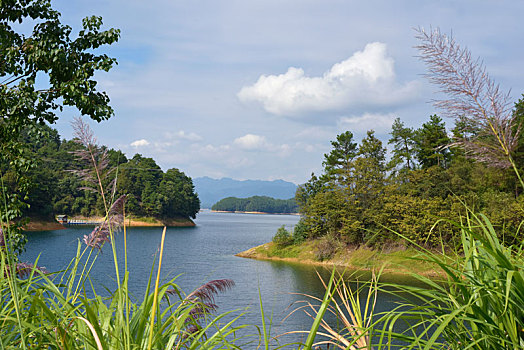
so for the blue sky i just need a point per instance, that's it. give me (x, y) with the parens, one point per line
(257, 89)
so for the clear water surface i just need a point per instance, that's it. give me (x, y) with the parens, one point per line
(200, 254)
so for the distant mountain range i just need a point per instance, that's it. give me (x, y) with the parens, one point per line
(211, 190)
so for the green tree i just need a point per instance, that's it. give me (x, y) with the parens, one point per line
(283, 237)
(331, 212)
(431, 141)
(370, 170)
(403, 141)
(338, 164)
(308, 190)
(141, 177)
(41, 73)
(179, 195)
(256, 203)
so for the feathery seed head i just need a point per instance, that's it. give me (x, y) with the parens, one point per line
(473, 97)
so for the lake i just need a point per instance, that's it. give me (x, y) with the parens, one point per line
(200, 254)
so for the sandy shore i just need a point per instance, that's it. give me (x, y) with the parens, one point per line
(50, 225)
(158, 223)
(42, 225)
(251, 212)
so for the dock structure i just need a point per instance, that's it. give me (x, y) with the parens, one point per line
(82, 222)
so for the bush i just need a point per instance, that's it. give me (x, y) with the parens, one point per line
(326, 247)
(300, 232)
(282, 237)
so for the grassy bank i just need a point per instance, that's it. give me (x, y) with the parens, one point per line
(404, 261)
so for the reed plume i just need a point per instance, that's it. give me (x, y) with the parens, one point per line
(95, 159)
(24, 269)
(112, 223)
(93, 175)
(472, 97)
(206, 293)
(203, 299)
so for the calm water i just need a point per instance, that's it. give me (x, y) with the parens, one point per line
(199, 254)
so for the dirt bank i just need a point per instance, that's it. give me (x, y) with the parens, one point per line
(43, 225)
(50, 224)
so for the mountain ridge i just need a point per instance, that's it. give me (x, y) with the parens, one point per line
(211, 190)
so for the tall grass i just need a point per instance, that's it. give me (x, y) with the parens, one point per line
(477, 304)
(63, 310)
(480, 304)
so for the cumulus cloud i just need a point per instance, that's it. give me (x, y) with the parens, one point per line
(251, 142)
(140, 143)
(368, 121)
(366, 79)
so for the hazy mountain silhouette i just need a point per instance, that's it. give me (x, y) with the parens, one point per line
(211, 190)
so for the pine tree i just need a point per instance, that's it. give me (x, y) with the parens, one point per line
(338, 164)
(369, 170)
(431, 141)
(403, 140)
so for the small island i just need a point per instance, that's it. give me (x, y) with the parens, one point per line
(256, 204)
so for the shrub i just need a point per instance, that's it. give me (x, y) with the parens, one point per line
(300, 232)
(326, 247)
(282, 237)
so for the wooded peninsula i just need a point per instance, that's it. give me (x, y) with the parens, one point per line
(59, 184)
(419, 198)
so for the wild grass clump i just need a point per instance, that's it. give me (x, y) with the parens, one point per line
(477, 303)
(480, 303)
(326, 247)
(63, 310)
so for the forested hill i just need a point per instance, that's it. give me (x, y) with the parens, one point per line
(212, 190)
(57, 190)
(423, 192)
(257, 204)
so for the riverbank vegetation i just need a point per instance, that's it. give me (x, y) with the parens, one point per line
(262, 204)
(462, 194)
(478, 304)
(395, 262)
(422, 192)
(56, 188)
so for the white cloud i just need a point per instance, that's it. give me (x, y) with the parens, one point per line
(368, 121)
(251, 142)
(140, 143)
(366, 79)
(182, 135)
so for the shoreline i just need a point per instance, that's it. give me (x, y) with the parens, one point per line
(51, 225)
(378, 261)
(251, 212)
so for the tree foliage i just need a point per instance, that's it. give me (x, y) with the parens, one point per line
(57, 190)
(431, 142)
(428, 178)
(403, 141)
(44, 67)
